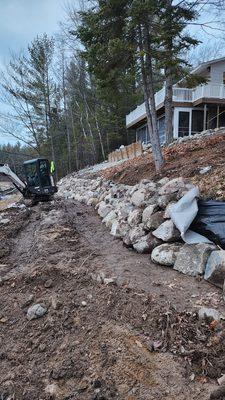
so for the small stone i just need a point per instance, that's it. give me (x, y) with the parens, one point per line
(55, 303)
(221, 380)
(97, 383)
(205, 170)
(209, 314)
(48, 284)
(84, 303)
(28, 301)
(36, 311)
(110, 281)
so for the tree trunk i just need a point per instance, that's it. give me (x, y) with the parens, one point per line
(100, 137)
(169, 107)
(147, 78)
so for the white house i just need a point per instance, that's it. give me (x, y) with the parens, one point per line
(194, 110)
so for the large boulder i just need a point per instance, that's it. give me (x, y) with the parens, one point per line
(191, 259)
(146, 243)
(154, 221)
(172, 186)
(134, 218)
(165, 254)
(167, 232)
(215, 268)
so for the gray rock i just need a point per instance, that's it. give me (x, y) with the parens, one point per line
(205, 170)
(154, 221)
(138, 197)
(208, 313)
(134, 218)
(110, 219)
(167, 210)
(136, 233)
(167, 232)
(119, 229)
(191, 259)
(163, 181)
(165, 199)
(124, 209)
(165, 254)
(172, 186)
(148, 211)
(110, 281)
(126, 240)
(28, 301)
(36, 311)
(4, 221)
(93, 201)
(146, 243)
(104, 209)
(215, 268)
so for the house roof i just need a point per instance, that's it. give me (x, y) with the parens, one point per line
(206, 64)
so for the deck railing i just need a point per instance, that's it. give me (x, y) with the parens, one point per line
(180, 95)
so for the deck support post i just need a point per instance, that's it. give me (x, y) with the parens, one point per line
(217, 116)
(204, 118)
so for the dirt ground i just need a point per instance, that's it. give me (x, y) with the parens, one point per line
(136, 339)
(185, 159)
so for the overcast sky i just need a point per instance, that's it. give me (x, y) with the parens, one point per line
(21, 21)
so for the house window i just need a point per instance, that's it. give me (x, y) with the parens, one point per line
(184, 123)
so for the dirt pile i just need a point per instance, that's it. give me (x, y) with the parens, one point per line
(183, 159)
(98, 340)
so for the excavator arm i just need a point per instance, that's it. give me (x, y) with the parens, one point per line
(6, 171)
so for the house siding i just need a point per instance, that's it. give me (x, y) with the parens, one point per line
(216, 73)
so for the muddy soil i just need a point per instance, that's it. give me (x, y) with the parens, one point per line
(137, 338)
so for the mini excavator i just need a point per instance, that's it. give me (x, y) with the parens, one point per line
(39, 184)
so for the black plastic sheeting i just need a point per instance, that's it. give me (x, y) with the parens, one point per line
(210, 221)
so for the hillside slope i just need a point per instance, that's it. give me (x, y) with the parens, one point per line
(182, 159)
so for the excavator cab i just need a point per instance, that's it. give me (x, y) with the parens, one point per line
(39, 179)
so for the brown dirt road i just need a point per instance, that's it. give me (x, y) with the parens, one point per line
(138, 339)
